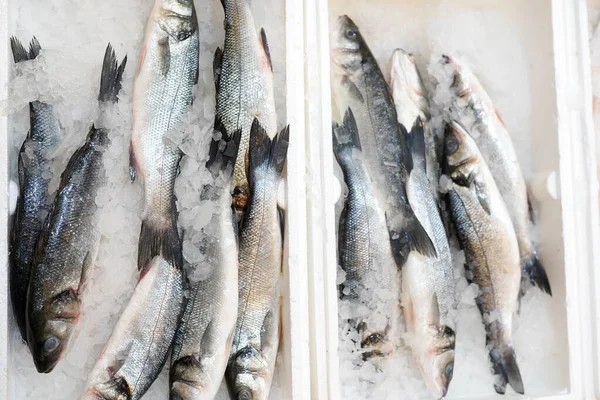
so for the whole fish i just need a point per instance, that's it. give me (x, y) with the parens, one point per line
(68, 246)
(487, 236)
(359, 84)
(35, 172)
(244, 83)
(166, 73)
(496, 146)
(428, 289)
(365, 253)
(203, 339)
(140, 342)
(256, 339)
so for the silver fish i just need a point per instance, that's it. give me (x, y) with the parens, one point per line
(167, 71)
(68, 246)
(487, 236)
(359, 84)
(365, 252)
(244, 82)
(33, 204)
(256, 340)
(140, 342)
(204, 336)
(495, 144)
(428, 289)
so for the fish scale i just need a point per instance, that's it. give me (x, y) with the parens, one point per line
(244, 81)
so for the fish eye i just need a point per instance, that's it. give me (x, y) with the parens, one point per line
(449, 370)
(451, 145)
(50, 344)
(350, 34)
(244, 394)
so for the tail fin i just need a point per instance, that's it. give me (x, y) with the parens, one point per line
(159, 237)
(533, 270)
(416, 143)
(19, 52)
(112, 75)
(346, 136)
(266, 151)
(505, 365)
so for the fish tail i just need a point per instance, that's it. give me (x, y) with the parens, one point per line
(346, 136)
(19, 51)
(416, 142)
(223, 153)
(266, 152)
(504, 361)
(159, 237)
(533, 270)
(112, 75)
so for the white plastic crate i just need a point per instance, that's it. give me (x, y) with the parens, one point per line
(563, 174)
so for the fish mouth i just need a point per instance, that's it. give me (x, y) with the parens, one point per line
(184, 390)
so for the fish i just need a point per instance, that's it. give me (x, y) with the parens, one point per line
(203, 339)
(410, 99)
(35, 172)
(140, 342)
(68, 245)
(358, 83)
(251, 364)
(428, 290)
(484, 122)
(364, 249)
(244, 85)
(162, 96)
(486, 234)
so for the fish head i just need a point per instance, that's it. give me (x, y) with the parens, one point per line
(186, 378)
(347, 46)
(437, 361)
(177, 18)
(50, 328)
(460, 154)
(407, 88)
(464, 82)
(249, 377)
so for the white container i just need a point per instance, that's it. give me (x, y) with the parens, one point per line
(557, 150)
(562, 169)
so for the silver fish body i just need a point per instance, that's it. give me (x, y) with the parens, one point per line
(141, 339)
(486, 234)
(358, 83)
(244, 82)
(35, 172)
(494, 142)
(365, 253)
(204, 336)
(256, 339)
(166, 74)
(68, 246)
(428, 289)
